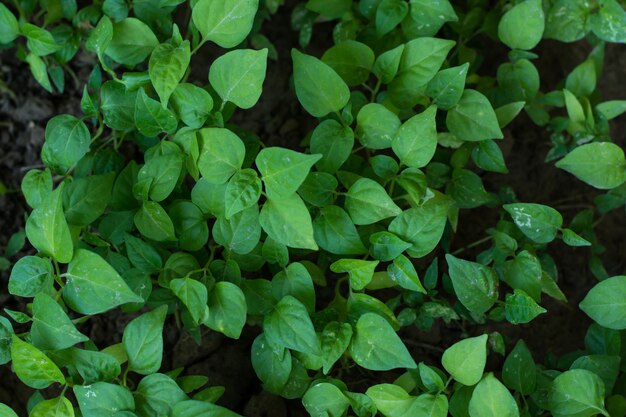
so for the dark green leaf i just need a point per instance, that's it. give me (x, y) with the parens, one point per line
(67, 141)
(474, 284)
(143, 341)
(93, 286)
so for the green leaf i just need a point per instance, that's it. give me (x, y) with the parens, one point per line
(190, 225)
(574, 107)
(430, 378)
(38, 40)
(193, 294)
(6, 335)
(154, 223)
(319, 88)
(352, 60)
(86, 199)
(325, 399)
(422, 226)
(36, 186)
(142, 255)
(331, 9)
(376, 346)
(335, 341)
(491, 399)
(39, 70)
(143, 341)
(612, 108)
(465, 360)
(334, 232)
(115, 9)
(429, 405)
(600, 164)
(156, 394)
(367, 202)
(334, 142)
(508, 112)
(295, 280)
(416, 140)
(318, 189)
(100, 37)
(359, 271)
(167, 67)
(133, 41)
(238, 76)
(391, 400)
(283, 170)
(577, 392)
(609, 23)
(288, 222)
(474, 284)
(389, 14)
(32, 366)
(118, 106)
(272, 366)
(524, 273)
(566, 20)
(227, 309)
(446, 88)
(290, 326)
(421, 59)
(52, 329)
(473, 119)
(56, 407)
(519, 307)
(387, 64)
(605, 303)
(67, 141)
(93, 286)
(47, 229)
(429, 16)
(519, 371)
(607, 367)
(9, 28)
(221, 156)
(488, 156)
(192, 104)
(538, 222)
(30, 275)
(570, 238)
(241, 233)
(151, 118)
(225, 22)
(103, 399)
(522, 26)
(91, 365)
(377, 126)
(386, 246)
(243, 191)
(404, 274)
(582, 80)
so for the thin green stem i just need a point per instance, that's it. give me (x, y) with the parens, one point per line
(198, 47)
(472, 245)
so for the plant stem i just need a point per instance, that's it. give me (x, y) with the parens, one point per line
(472, 245)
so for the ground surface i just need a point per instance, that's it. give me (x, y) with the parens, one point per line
(279, 120)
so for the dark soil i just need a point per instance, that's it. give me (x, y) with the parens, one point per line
(279, 120)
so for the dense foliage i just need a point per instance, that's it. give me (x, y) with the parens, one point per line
(327, 252)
